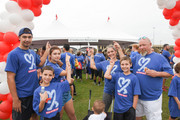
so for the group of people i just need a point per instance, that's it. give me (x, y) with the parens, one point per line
(135, 82)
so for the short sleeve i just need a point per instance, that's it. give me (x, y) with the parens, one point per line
(137, 90)
(38, 60)
(99, 66)
(173, 88)
(114, 77)
(64, 86)
(57, 72)
(12, 63)
(165, 66)
(36, 101)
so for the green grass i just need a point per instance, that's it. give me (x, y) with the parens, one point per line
(82, 98)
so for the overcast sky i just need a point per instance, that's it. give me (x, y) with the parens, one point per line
(134, 17)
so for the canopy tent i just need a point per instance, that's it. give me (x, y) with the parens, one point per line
(58, 34)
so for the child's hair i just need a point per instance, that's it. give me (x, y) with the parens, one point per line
(177, 68)
(54, 48)
(126, 58)
(47, 68)
(111, 46)
(98, 106)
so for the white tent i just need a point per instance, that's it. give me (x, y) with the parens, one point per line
(58, 34)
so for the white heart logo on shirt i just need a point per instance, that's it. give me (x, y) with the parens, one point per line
(53, 101)
(143, 62)
(123, 84)
(30, 59)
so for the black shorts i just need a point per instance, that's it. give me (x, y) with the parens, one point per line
(128, 115)
(98, 73)
(57, 117)
(26, 109)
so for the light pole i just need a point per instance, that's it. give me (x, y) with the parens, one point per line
(153, 35)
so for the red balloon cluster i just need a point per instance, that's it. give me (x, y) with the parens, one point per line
(33, 5)
(177, 48)
(6, 106)
(8, 41)
(173, 14)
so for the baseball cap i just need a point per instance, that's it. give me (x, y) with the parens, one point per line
(25, 31)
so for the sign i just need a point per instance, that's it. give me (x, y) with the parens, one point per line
(82, 40)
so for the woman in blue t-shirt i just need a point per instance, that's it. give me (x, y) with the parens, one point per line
(54, 58)
(108, 86)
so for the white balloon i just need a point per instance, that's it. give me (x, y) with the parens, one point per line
(172, 27)
(12, 6)
(170, 4)
(2, 67)
(176, 60)
(176, 33)
(15, 19)
(161, 2)
(6, 26)
(3, 77)
(29, 25)
(162, 6)
(27, 15)
(4, 89)
(4, 15)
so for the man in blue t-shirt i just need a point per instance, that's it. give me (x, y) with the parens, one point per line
(99, 57)
(167, 55)
(150, 68)
(22, 75)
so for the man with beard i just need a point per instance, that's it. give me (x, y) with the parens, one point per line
(150, 68)
(22, 75)
(167, 55)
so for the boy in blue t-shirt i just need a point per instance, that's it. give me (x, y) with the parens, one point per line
(127, 90)
(48, 104)
(174, 95)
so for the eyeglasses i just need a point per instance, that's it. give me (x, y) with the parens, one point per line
(144, 37)
(29, 37)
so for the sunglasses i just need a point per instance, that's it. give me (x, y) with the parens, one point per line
(144, 37)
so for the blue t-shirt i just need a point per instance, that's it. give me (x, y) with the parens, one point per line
(174, 91)
(23, 63)
(99, 57)
(172, 59)
(57, 72)
(166, 54)
(63, 60)
(126, 86)
(133, 54)
(88, 58)
(151, 86)
(108, 85)
(54, 105)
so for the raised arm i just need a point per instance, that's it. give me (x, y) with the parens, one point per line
(107, 74)
(46, 53)
(13, 91)
(92, 63)
(68, 68)
(119, 49)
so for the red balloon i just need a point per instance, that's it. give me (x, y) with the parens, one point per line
(1, 60)
(177, 42)
(10, 38)
(176, 47)
(14, 0)
(4, 115)
(177, 6)
(37, 11)
(3, 97)
(5, 57)
(37, 3)
(6, 106)
(168, 13)
(9, 98)
(176, 15)
(11, 117)
(15, 45)
(173, 22)
(1, 36)
(46, 2)
(24, 4)
(177, 53)
(4, 48)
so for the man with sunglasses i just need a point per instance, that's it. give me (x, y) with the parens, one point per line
(22, 75)
(150, 68)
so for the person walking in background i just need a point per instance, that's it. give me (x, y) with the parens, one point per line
(22, 75)
(167, 55)
(98, 57)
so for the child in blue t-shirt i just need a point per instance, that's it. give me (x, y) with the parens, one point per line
(48, 98)
(174, 95)
(127, 90)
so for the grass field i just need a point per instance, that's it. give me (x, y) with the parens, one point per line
(82, 98)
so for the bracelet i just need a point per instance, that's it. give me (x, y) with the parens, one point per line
(92, 57)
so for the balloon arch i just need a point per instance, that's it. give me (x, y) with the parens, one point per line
(20, 13)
